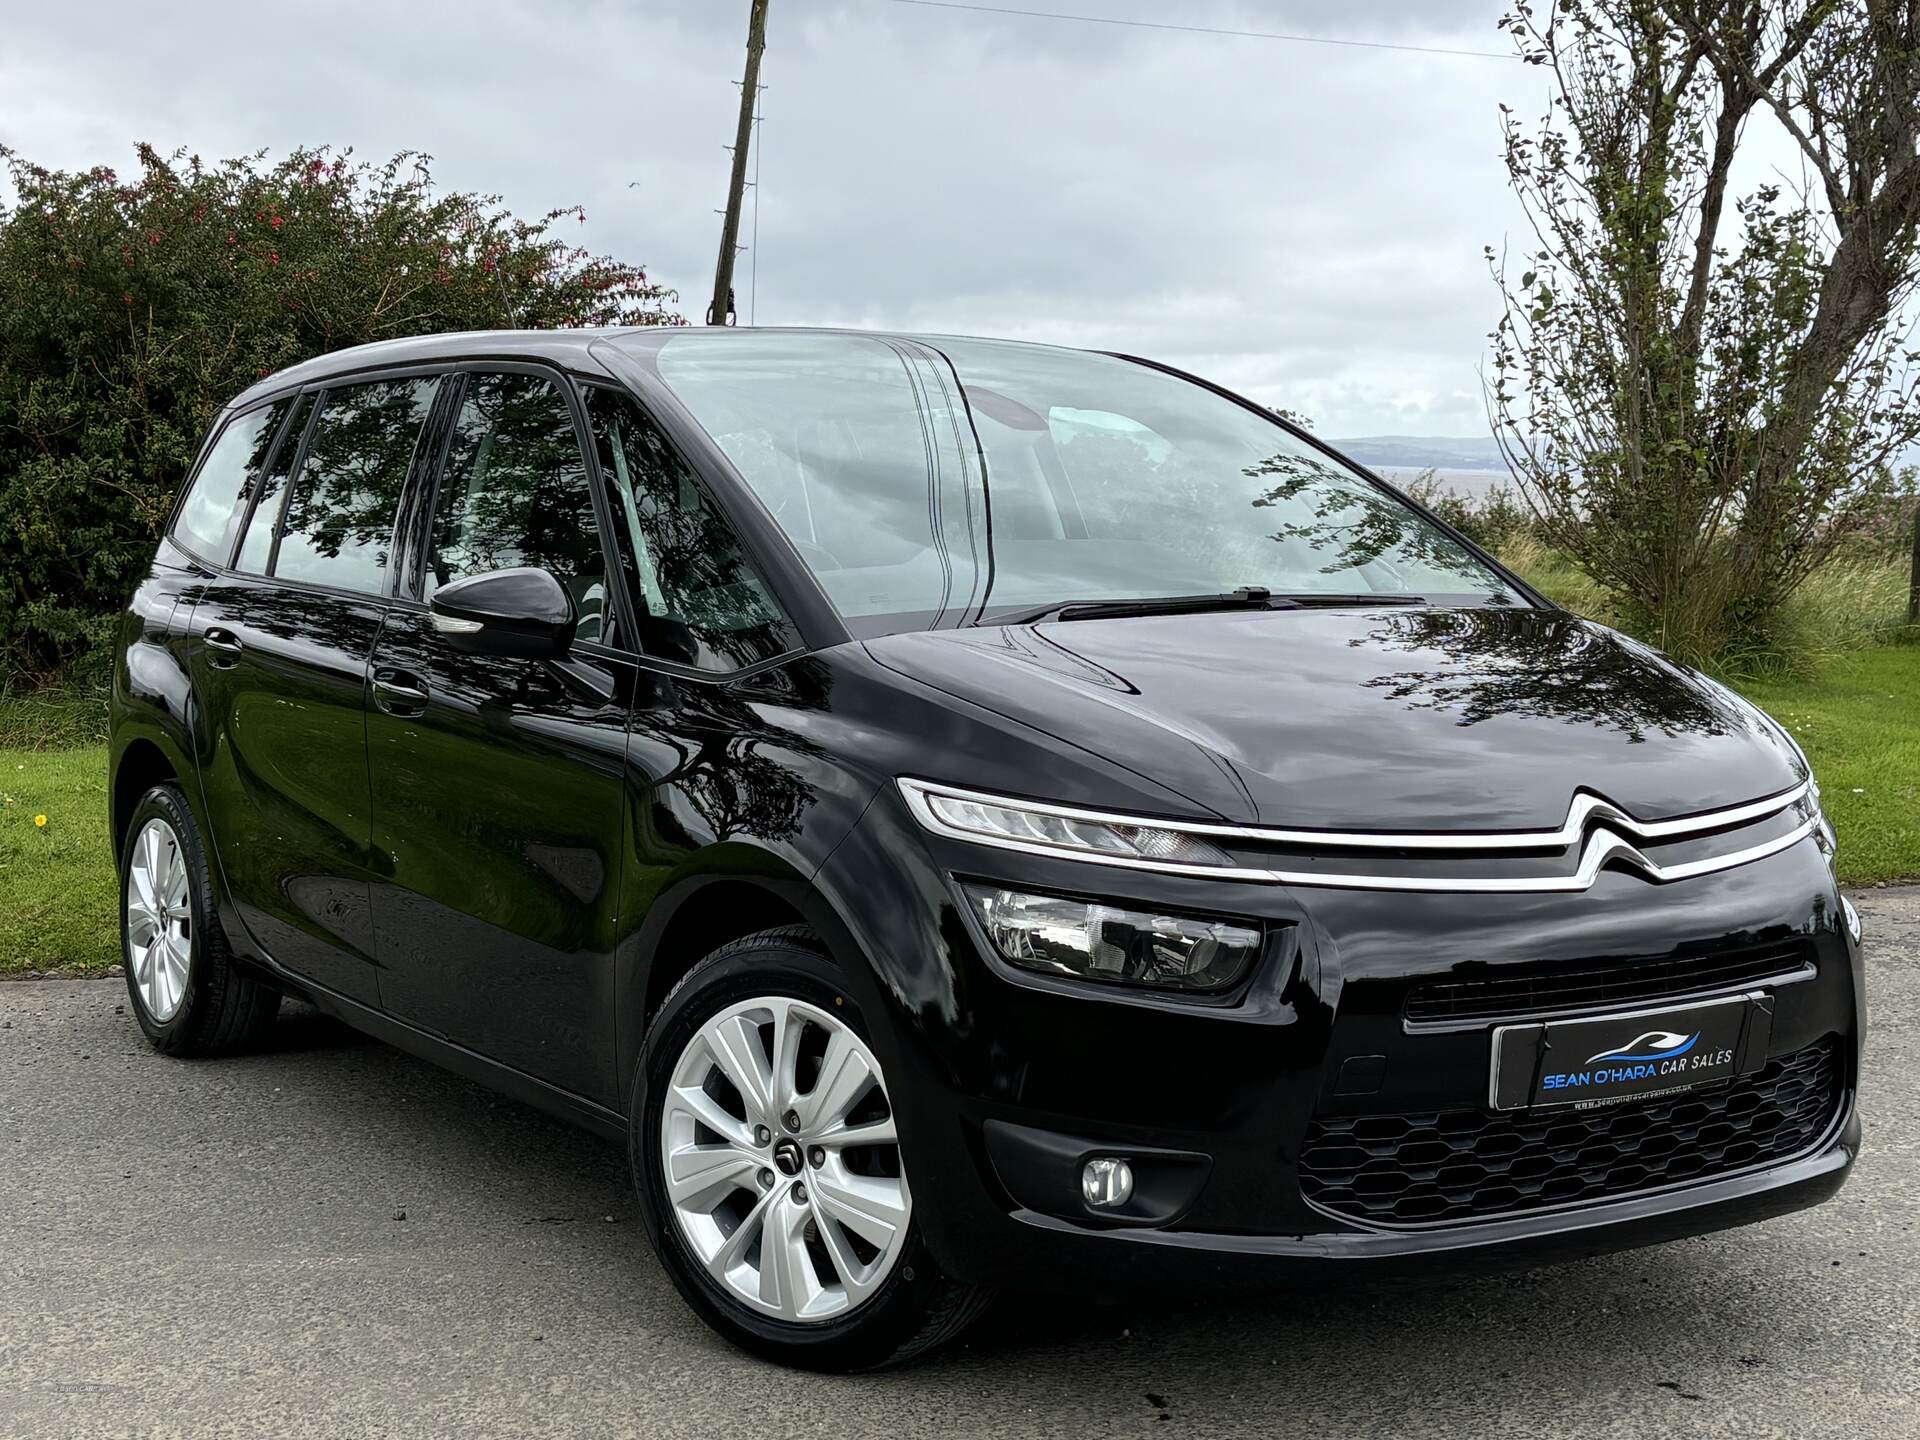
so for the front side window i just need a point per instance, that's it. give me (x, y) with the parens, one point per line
(514, 492)
(211, 509)
(338, 525)
(700, 598)
(1111, 480)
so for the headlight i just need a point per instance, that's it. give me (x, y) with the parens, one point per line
(1092, 941)
(1823, 835)
(1009, 824)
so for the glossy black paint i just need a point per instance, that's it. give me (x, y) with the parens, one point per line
(523, 612)
(1380, 719)
(278, 677)
(502, 861)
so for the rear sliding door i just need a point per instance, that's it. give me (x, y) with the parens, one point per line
(279, 648)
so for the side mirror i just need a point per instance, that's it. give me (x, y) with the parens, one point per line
(524, 613)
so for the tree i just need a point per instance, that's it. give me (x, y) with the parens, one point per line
(132, 310)
(1701, 393)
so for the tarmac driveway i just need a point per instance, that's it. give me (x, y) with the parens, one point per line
(336, 1240)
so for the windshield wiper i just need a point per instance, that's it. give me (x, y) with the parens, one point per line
(1247, 597)
(1390, 597)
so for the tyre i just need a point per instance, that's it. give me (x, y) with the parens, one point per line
(763, 1146)
(190, 994)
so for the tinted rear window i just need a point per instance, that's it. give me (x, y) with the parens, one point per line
(338, 528)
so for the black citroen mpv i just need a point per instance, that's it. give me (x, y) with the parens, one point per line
(966, 814)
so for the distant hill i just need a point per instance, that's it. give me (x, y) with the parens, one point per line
(1457, 452)
(1420, 452)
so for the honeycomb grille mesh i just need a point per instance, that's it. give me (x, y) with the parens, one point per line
(1458, 1165)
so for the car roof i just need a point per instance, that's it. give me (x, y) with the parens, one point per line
(571, 348)
(566, 347)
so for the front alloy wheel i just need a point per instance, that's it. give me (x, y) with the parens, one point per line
(766, 1152)
(781, 1162)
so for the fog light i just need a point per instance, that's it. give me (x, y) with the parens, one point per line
(1853, 918)
(1107, 1183)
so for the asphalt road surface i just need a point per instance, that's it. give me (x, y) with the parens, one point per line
(336, 1240)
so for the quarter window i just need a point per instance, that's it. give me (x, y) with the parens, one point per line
(701, 600)
(514, 492)
(338, 527)
(217, 496)
(256, 546)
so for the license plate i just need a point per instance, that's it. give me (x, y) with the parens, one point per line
(1610, 1058)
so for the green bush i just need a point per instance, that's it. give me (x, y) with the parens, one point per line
(132, 310)
(1492, 521)
(1857, 601)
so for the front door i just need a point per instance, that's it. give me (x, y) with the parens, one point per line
(497, 783)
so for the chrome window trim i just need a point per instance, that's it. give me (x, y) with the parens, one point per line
(1597, 850)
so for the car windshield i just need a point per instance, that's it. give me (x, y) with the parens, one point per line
(1110, 479)
(1104, 480)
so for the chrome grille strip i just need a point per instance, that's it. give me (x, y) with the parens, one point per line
(1601, 846)
(1585, 807)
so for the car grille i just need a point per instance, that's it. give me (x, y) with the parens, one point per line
(1461, 1165)
(1545, 990)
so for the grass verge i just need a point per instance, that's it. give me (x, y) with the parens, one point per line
(57, 886)
(1859, 723)
(60, 719)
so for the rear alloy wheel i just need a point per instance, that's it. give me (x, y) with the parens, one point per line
(770, 1170)
(159, 920)
(191, 995)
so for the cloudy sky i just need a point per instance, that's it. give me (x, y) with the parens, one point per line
(1301, 221)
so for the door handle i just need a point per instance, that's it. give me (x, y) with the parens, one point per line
(399, 693)
(224, 645)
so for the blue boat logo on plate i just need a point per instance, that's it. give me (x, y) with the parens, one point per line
(1654, 1045)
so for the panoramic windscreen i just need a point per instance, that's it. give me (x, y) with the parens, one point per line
(1112, 480)
(1106, 480)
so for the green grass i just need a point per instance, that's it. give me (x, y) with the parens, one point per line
(57, 888)
(1859, 721)
(1856, 602)
(62, 719)
(1860, 725)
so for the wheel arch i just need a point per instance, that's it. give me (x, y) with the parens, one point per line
(141, 761)
(699, 914)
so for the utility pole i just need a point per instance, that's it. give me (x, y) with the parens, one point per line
(720, 312)
(1913, 588)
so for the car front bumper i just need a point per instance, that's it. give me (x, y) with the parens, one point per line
(974, 1049)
